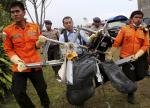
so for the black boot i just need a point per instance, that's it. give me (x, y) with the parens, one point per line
(131, 98)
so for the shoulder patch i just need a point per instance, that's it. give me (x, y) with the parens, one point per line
(3, 36)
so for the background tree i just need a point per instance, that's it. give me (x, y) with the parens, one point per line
(5, 72)
(5, 4)
(39, 7)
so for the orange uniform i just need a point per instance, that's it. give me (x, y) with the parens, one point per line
(131, 40)
(22, 42)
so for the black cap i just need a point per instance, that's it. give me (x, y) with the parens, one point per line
(47, 22)
(96, 19)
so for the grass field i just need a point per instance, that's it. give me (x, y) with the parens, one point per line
(103, 96)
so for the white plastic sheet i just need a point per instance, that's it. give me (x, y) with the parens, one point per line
(62, 71)
(69, 74)
(98, 74)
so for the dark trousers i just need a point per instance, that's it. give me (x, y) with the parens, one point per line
(54, 54)
(136, 70)
(146, 60)
(19, 84)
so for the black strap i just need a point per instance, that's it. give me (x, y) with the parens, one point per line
(65, 36)
(79, 37)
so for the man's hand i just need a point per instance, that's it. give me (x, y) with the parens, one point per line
(16, 60)
(21, 66)
(110, 53)
(92, 37)
(109, 56)
(137, 55)
(41, 41)
(71, 45)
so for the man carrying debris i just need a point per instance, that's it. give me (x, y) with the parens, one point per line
(134, 40)
(20, 43)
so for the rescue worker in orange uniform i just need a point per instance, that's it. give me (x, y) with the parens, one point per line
(21, 40)
(133, 39)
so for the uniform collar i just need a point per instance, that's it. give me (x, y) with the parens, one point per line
(26, 25)
(140, 27)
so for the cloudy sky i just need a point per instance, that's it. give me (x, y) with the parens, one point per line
(78, 9)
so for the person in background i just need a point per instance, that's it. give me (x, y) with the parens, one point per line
(53, 50)
(21, 40)
(134, 40)
(69, 34)
(97, 24)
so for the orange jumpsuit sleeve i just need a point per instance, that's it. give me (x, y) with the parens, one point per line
(119, 38)
(8, 47)
(38, 29)
(145, 45)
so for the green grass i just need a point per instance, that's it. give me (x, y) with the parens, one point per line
(57, 91)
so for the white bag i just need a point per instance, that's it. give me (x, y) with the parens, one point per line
(69, 72)
(62, 72)
(98, 74)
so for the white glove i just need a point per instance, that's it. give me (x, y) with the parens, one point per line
(15, 59)
(21, 65)
(92, 37)
(137, 55)
(108, 56)
(41, 41)
(110, 53)
(70, 45)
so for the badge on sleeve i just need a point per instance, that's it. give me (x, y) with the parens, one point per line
(3, 36)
